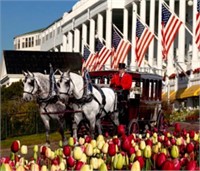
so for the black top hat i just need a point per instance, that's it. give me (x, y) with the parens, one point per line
(122, 65)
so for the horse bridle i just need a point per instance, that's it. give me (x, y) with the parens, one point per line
(31, 92)
(68, 80)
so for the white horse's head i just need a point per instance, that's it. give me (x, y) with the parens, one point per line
(35, 84)
(70, 84)
(64, 86)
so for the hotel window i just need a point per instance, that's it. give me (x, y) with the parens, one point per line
(18, 44)
(26, 43)
(23, 45)
(29, 42)
(50, 35)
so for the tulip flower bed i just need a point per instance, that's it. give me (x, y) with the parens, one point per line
(178, 150)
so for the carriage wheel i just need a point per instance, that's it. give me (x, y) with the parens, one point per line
(160, 121)
(83, 128)
(133, 126)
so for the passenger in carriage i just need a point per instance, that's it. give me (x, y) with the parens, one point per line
(121, 83)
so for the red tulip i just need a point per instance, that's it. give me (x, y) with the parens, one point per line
(116, 141)
(177, 164)
(161, 158)
(78, 166)
(43, 150)
(184, 132)
(177, 127)
(141, 161)
(126, 144)
(190, 147)
(192, 133)
(131, 151)
(191, 165)
(173, 141)
(149, 142)
(112, 149)
(15, 146)
(66, 150)
(121, 130)
(70, 161)
(88, 139)
(55, 161)
(168, 165)
(183, 161)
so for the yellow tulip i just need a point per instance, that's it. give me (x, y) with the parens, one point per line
(175, 151)
(100, 138)
(100, 144)
(35, 148)
(135, 166)
(105, 148)
(103, 167)
(83, 158)
(54, 167)
(138, 152)
(89, 150)
(44, 168)
(20, 168)
(62, 166)
(94, 143)
(142, 145)
(34, 167)
(78, 152)
(147, 151)
(71, 141)
(155, 148)
(118, 161)
(81, 140)
(86, 167)
(24, 149)
(94, 163)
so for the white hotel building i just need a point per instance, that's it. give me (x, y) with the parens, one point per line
(89, 18)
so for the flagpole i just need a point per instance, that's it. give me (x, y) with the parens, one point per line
(122, 35)
(164, 3)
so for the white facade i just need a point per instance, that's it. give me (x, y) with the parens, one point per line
(89, 18)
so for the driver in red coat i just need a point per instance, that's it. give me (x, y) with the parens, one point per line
(121, 80)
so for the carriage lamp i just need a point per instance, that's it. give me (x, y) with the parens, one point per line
(190, 2)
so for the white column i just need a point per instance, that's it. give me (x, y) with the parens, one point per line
(64, 43)
(170, 67)
(195, 53)
(108, 32)
(125, 27)
(181, 38)
(70, 42)
(100, 25)
(152, 27)
(159, 52)
(77, 40)
(143, 10)
(134, 19)
(92, 35)
(84, 35)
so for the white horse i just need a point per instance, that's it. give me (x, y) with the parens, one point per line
(72, 90)
(37, 85)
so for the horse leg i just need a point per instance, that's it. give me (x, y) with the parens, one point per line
(45, 120)
(92, 126)
(98, 124)
(77, 118)
(61, 129)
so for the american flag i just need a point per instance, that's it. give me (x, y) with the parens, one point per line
(197, 31)
(143, 38)
(170, 27)
(121, 47)
(89, 59)
(103, 54)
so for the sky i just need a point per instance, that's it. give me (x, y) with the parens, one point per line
(19, 17)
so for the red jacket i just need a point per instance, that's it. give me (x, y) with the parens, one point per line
(125, 82)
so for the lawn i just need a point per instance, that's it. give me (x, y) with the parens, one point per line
(31, 139)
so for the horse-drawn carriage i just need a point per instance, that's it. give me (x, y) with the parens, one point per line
(97, 111)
